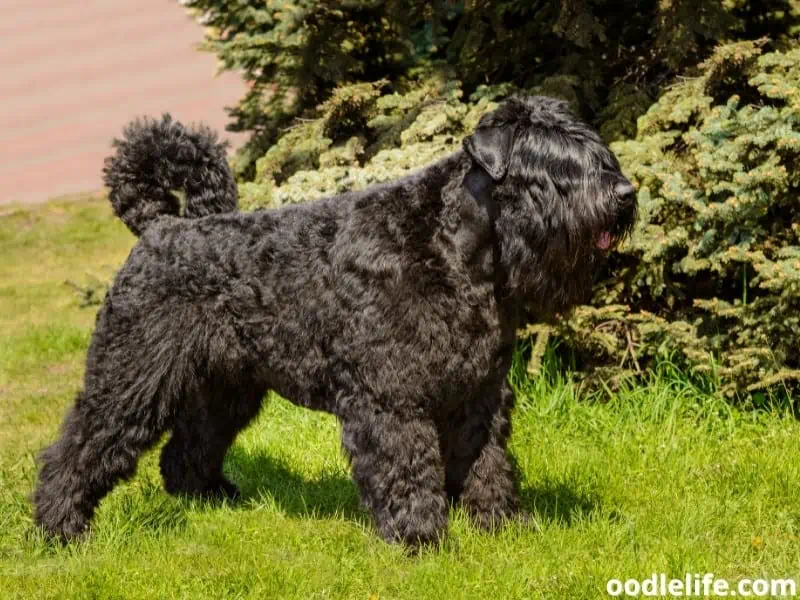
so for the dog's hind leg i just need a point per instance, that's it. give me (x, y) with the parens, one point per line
(397, 467)
(96, 449)
(191, 461)
(478, 470)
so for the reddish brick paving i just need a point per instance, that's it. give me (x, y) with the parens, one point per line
(73, 73)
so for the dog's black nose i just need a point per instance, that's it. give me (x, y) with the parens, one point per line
(624, 188)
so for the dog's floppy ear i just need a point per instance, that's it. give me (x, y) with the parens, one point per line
(490, 147)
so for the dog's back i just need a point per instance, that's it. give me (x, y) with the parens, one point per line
(284, 294)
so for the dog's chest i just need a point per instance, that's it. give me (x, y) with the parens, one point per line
(462, 349)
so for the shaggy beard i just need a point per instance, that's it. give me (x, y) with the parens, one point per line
(553, 290)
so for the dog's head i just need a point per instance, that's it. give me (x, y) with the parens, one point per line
(561, 202)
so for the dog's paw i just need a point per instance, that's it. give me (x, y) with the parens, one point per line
(223, 489)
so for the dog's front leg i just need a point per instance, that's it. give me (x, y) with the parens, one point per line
(398, 469)
(479, 473)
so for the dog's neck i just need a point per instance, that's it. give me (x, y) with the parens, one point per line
(476, 240)
(469, 217)
(480, 186)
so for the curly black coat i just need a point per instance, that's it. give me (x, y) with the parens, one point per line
(394, 308)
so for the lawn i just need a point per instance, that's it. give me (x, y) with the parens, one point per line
(665, 477)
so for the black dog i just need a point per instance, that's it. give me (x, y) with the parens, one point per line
(394, 308)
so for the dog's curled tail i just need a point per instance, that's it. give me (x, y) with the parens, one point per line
(155, 158)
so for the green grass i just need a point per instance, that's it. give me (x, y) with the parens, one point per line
(665, 477)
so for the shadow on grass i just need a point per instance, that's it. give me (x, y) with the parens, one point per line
(558, 503)
(260, 475)
(126, 514)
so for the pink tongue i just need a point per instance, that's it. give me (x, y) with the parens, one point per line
(604, 241)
